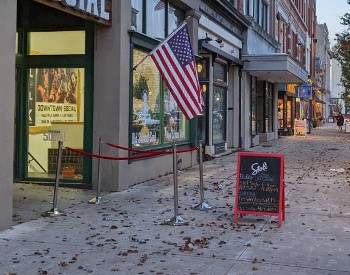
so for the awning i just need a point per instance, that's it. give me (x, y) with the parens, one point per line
(219, 52)
(279, 68)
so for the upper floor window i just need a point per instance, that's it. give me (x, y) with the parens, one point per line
(264, 16)
(155, 18)
(259, 10)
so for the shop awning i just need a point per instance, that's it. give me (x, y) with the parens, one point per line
(279, 68)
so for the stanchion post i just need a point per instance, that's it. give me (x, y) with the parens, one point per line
(201, 205)
(54, 211)
(176, 220)
(97, 199)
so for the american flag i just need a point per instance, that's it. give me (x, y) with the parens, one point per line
(177, 65)
(160, 5)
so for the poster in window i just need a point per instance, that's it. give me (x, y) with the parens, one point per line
(55, 91)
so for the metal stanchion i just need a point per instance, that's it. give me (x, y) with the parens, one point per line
(97, 199)
(54, 211)
(201, 205)
(176, 220)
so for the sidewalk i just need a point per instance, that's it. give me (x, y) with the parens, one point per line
(125, 235)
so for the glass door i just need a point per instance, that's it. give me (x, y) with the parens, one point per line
(52, 94)
(219, 114)
(219, 102)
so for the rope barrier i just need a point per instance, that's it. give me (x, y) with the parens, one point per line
(113, 158)
(134, 150)
(144, 154)
(143, 151)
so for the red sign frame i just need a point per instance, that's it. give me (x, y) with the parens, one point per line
(281, 201)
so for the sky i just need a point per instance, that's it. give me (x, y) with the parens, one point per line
(329, 12)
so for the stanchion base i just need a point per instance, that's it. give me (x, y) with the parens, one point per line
(97, 200)
(202, 206)
(53, 213)
(177, 220)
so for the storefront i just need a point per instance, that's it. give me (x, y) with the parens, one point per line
(262, 108)
(270, 110)
(54, 62)
(219, 69)
(286, 108)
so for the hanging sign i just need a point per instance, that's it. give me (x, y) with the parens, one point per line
(260, 185)
(95, 10)
(304, 91)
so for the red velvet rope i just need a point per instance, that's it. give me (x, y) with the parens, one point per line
(143, 151)
(113, 158)
(134, 150)
(145, 154)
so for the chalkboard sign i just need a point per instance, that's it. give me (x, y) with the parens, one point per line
(260, 185)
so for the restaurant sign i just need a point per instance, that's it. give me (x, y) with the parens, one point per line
(95, 10)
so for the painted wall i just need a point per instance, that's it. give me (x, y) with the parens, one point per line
(7, 92)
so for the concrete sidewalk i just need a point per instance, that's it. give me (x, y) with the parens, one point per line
(125, 235)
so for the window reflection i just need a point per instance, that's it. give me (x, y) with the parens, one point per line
(156, 117)
(175, 18)
(155, 19)
(136, 14)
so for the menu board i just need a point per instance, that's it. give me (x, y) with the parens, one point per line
(260, 185)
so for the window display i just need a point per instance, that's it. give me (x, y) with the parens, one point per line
(156, 118)
(55, 112)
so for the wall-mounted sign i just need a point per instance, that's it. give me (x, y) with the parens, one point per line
(95, 10)
(290, 88)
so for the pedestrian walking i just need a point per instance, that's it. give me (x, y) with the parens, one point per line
(340, 121)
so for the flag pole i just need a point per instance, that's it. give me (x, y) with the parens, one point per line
(143, 59)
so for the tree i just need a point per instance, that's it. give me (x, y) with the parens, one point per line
(341, 52)
(140, 86)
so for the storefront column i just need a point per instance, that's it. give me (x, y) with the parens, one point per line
(7, 104)
(245, 110)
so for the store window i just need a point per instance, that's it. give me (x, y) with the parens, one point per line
(155, 18)
(280, 113)
(53, 43)
(55, 105)
(289, 113)
(264, 107)
(56, 112)
(156, 117)
(203, 76)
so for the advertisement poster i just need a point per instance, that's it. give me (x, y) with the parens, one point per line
(52, 95)
(300, 127)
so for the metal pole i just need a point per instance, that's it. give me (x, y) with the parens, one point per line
(176, 194)
(176, 220)
(201, 205)
(201, 187)
(54, 211)
(97, 199)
